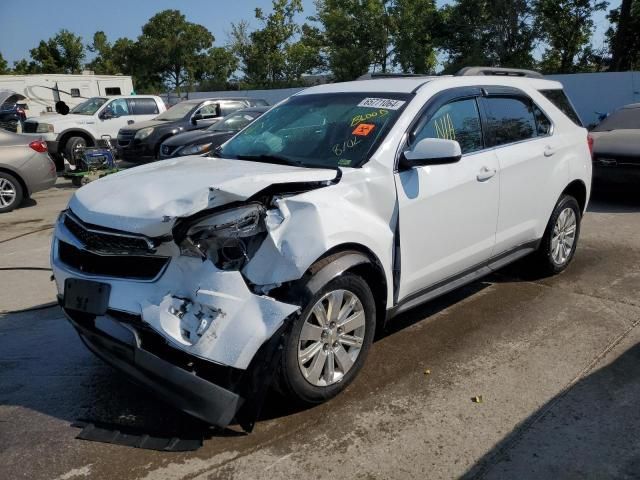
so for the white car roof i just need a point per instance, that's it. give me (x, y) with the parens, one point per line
(413, 84)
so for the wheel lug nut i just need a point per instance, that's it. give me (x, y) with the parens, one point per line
(339, 329)
(325, 347)
(335, 344)
(332, 324)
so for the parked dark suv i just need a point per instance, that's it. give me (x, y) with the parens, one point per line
(141, 141)
(12, 111)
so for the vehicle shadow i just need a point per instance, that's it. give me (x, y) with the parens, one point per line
(587, 431)
(45, 368)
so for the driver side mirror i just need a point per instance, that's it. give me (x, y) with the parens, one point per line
(195, 118)
(106, 114)
(431, 151)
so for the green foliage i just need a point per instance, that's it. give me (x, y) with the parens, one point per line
(216, 68)
(566, 27)
(171, 48)
(62, 53)
(416, 28)
(624, 36)
(493, 33)
(356, 35)
(278, 53)
(4, 66)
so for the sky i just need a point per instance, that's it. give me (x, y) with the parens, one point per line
(24, 24)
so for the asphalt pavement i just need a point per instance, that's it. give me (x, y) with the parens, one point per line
(552, 364)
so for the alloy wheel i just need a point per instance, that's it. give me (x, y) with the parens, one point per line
(331, 338)
(563, 236)
(7, 193)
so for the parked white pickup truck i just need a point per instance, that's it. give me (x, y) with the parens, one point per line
(87, 122)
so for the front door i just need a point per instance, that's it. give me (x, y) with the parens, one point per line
(119, 116)
(448, 213)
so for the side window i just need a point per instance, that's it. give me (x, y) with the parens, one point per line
(510, 120)
(560, 100)
(143, 106)
(75, 92)
(230, 107)
(209, 111)
(460, 121)
(112, 91)
(119, 107)
(543, 124)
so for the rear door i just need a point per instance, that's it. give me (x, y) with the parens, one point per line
(528, 152)
(447, 213)
(142, 109)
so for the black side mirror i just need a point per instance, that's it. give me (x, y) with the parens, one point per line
(106, 115)
(195, 118)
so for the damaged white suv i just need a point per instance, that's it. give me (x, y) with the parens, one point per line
(209, 279)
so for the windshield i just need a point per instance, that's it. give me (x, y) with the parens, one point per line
(89, 107)
(177, 112)
(234, 122)
(321, 130)
(625, 118)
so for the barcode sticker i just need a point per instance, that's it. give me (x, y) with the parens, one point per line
(388, 103)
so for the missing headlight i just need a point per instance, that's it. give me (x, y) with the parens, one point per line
(228, 238)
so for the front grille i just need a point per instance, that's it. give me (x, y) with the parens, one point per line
(30, 127)
(125, 137)
(126, 266)
(105, 242)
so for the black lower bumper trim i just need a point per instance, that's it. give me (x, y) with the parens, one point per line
(186, 391)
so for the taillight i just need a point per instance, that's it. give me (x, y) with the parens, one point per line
(39, 146)
(590, 143)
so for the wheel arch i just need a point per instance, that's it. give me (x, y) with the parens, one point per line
(578, 190)
(356, 259)
(17, 176)
(75, 132)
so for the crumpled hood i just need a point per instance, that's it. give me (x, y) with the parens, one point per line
(140, 199)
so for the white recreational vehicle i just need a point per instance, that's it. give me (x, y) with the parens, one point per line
(43, 91)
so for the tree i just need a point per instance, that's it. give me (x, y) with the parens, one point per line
(102, 62)
(478, 32)
(216, 68)
(22, 67)
(280, 52)
(4, 66)
(566, 27)
(357, 35)
(62, 53)
(170, 49)
(415, 35)
(624, 36)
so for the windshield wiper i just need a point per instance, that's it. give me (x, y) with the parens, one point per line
(271, 159)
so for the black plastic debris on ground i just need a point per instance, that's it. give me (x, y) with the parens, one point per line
(132, 437)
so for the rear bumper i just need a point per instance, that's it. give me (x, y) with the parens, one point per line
(53, 147)
(183, 389)
(620, 174)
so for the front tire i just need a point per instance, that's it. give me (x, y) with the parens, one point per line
(329, 340)
(73, 149)
(11, 193)
(560, 240)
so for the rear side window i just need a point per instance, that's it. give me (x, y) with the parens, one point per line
(458, 121)
(623, 119)
(229, 107)
(560, 100)
(143, 106)
(510, 119)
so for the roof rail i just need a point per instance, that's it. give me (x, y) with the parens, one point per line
(370, 76)
(499, 71)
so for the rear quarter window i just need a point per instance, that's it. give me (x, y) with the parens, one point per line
(561, 101)
(143, 106)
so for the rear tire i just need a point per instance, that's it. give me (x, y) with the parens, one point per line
(11, 192)
(560, 239)
(327, 346)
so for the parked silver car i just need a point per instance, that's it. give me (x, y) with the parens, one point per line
(25, 168)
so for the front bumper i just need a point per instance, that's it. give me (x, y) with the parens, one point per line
(199, 313)
(179, 387)
(136, 152)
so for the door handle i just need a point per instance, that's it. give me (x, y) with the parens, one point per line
(549, 150)
(485, 174)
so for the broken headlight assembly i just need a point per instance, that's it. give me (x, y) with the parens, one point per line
(228, 238)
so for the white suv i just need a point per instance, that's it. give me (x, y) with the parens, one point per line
(346, 204)
(89, 121)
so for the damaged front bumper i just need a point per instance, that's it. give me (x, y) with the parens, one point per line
(196, 335)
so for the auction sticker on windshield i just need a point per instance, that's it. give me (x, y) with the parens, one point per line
(388, 103)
